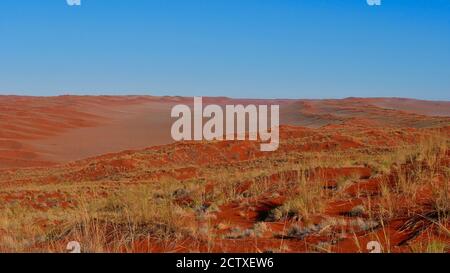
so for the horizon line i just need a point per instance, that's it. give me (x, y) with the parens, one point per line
(218, 97)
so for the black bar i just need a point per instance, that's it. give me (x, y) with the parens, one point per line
(224, 262)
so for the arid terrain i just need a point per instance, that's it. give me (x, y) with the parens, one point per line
(105, 172)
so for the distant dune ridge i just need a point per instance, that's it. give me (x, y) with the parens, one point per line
(44, 131)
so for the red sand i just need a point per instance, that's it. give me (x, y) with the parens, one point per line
(120, 134)
(43, 131)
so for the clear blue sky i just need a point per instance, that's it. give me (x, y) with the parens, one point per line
(236, 48)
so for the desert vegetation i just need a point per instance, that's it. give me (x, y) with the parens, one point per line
(324, 190)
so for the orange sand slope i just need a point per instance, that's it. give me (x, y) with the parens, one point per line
(331, 189)
(44, 131)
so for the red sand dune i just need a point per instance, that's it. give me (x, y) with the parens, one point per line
(185, 161)
(43, 131)
(431, 108)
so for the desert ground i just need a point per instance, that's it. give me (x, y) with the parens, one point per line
(104, 171)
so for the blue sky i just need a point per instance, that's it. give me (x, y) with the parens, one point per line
(236, 48)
